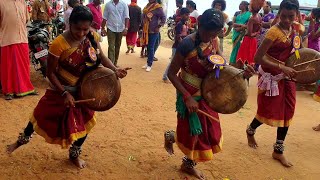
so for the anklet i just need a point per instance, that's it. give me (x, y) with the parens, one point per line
(190, 164)
(23, 139)
(250, 131)
(74, 151)
(170, 136)
(278, 147)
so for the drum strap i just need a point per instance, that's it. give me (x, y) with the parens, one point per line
(190, 79)
(71, 89)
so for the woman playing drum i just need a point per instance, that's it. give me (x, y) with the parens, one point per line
(277, 95)
(57, 118)
(197, 136)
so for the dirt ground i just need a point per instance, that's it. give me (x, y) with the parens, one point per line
(127, 142)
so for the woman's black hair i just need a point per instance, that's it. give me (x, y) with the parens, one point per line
(210, 20)
(179, 1)
(159, 1)
(81, 14)
(269, 3)
(316, 12)
(192, 4)
(71, 3)
(184, 11)
(246, 4)
(222, 2)
(289, 5)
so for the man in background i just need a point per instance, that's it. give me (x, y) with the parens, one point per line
(116, 17)
(95, 9)
(15, 62)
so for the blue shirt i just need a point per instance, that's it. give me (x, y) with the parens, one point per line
(115, 15)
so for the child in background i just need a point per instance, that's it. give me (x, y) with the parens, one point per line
(314, 30)
(181, 31)
(249, 45)
(314, 43)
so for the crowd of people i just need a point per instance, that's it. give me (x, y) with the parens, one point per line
(254, 36)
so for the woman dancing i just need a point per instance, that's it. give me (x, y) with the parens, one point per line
(57, 118)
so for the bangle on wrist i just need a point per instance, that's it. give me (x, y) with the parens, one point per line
(279, 66)
(64, 93)
(186, 96)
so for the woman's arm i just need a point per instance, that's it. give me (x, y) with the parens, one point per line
(250, 27)
(314, 34)
(106, 62)
(262, 51)
(52, 62)
(267, 24)
(174, 68)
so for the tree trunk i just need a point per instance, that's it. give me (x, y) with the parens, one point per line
(318, 3)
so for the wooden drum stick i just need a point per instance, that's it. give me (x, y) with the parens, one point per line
(208, 115)
(84, 100)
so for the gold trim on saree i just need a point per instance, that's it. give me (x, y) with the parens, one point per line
(190, 79)
(73, 80)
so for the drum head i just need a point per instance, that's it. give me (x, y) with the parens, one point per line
(103, 85)
(227, 94)
(308, 70)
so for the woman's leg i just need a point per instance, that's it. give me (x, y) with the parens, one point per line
(75, 151)
(23, 138)
(189, 165)
(165, 75)
(169, 139)
(128, 41)
(142, 52)
(279, 147)
(251, 130)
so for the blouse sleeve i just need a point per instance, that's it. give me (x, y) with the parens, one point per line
(58, 46)
(273, 33)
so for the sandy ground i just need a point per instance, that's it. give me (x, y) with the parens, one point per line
(127, 142)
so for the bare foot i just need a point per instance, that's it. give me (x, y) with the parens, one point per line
(282, 159)
(192, 171)
(12, 147)
(252, 141)
(316, 128)
(167, 81)
(168, 145)
(79, 162)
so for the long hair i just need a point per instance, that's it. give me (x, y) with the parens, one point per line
(289, 5)
(211, 20)
(316, 12)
